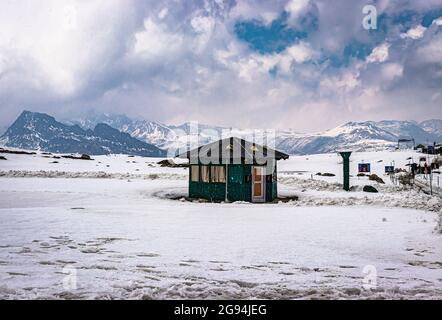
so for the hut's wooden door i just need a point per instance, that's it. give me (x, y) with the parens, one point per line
(258, 185)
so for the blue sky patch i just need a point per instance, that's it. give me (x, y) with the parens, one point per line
(275, 37)
(430, 16)
(353, 50)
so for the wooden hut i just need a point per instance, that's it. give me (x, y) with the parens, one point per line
(232, 170)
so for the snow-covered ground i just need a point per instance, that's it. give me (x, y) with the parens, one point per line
(108, 228)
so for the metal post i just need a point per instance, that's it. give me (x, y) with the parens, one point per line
(227, 182)
(346, 157)
(431, 182)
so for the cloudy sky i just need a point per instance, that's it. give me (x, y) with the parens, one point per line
(307, 65)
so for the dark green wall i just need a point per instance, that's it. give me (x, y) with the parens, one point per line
(238, 189)
(207, 190)
(239, 186)
(272, 186)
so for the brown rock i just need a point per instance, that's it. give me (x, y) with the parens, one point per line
(375, 177)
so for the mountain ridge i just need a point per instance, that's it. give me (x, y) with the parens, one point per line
(358, 136)
(40, 131)
(108, 133)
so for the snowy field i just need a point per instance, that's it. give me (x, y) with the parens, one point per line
(108, 228)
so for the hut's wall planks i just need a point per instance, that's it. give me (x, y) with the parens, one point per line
(238, 172)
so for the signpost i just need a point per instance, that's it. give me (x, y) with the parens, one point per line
(389, 169)
(364, 168)
(346, 157)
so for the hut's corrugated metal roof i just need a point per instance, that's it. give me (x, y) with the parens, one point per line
(233, 148)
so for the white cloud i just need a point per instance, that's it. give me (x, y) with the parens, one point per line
(155, 41)
(391, 71)
(163, 13)
(284, 61)
(431, 52)
(379, 54)
(438, 21)
(296, 7)
(63, 41)
(204, 27)
(414, 33)
(301, 52)
(296, 54)
(202, 24)
(265, 11)
(344, 83)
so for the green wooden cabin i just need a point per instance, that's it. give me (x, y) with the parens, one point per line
(232, 170)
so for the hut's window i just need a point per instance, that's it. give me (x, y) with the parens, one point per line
(218, 174)
(195, 173)
(205, 174)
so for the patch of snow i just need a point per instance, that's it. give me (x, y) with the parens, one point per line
(131, 241)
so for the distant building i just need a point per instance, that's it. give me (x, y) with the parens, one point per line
(232, 170)
(435, 148)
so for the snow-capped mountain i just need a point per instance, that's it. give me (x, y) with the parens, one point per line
(147, 131)
(433, 126)
(408, 129)
(160, 135)
(39, 131)
(357, 136)
(89, 134)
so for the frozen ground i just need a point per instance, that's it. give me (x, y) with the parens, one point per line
(108, 228)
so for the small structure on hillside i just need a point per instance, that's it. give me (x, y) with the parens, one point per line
(232, 170)
(435, 148)
(406, 142)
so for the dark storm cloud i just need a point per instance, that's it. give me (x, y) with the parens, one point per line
(176, 61)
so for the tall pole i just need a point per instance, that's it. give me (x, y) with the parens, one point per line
(431, 182)
(346, 164)
(227, 182)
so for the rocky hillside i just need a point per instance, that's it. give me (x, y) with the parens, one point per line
(39, 131)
